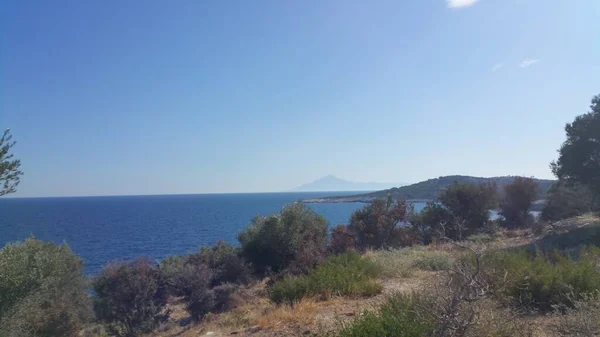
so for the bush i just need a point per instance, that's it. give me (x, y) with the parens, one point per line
(565, 200)
(42, 290)
(342, 240)
(376, 225)
(224, 262)
(295, 235)
(403, 262)
(516, 202)
(398, 317)
(539, 283)
(342, 275)
(198, 285)
(469, 206)
(130, 297)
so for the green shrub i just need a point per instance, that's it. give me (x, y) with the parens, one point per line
(516, 202)
(342, 240)
(130, 297)
(377, 225)
(539, 283)
(342, 275)
(224, 262)
(565, 200)
(296, 237)
(402, 262)
(398, 317)
(42, 290)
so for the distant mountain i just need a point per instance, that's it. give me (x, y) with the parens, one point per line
(332, 183)
(429, 189)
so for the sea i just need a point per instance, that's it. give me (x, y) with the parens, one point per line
(103, 229)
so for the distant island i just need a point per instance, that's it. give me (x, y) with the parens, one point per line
(428, 190)
(333, 183)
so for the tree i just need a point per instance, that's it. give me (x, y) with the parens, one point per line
(9, 167)
(469, 205)
(377, 224)
(517, 200)
(294, 240)
(579, 155)
(565, 200)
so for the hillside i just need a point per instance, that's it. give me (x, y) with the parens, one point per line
(429, 189)
(333, 183)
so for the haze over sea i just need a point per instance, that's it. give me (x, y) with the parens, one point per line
(101, 229)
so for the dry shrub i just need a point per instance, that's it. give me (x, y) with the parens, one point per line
(302, 313)
(582, 318)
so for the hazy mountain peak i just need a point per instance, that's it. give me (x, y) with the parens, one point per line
(333, 183)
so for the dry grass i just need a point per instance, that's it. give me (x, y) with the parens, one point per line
(405, 262)
(303, 313)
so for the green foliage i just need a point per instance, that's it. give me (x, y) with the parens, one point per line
(579, 155)
(470, 207)
(398, 317)
(342, 275)
(566, 200)
(342, 240)
(130, 297)
(541, 282)
(42, 290)
(295, 238)
(9, 167)
(376, 225)
(225, 263)
(403, 262)
(204, 280)
(462, 210)
(516, 202)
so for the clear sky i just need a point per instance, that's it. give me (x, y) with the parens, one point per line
(153, 97)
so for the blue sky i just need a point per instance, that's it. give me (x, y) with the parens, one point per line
(152, 97)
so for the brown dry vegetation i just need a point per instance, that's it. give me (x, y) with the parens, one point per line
(254, 315)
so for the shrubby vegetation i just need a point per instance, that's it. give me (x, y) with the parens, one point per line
(130, 297)
(541, 282)
(347, 274)
(294, 240)
(399, 316)
(516, 202)
(42, 290)
(565, 200)
(462, 210)
(206, 279)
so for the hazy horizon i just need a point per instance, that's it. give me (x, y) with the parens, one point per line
(154, 98)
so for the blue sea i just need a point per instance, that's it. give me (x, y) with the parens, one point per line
(101, 229)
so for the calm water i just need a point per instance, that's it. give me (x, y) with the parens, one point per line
(100, 229)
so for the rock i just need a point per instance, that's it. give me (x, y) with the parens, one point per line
(210, 333)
